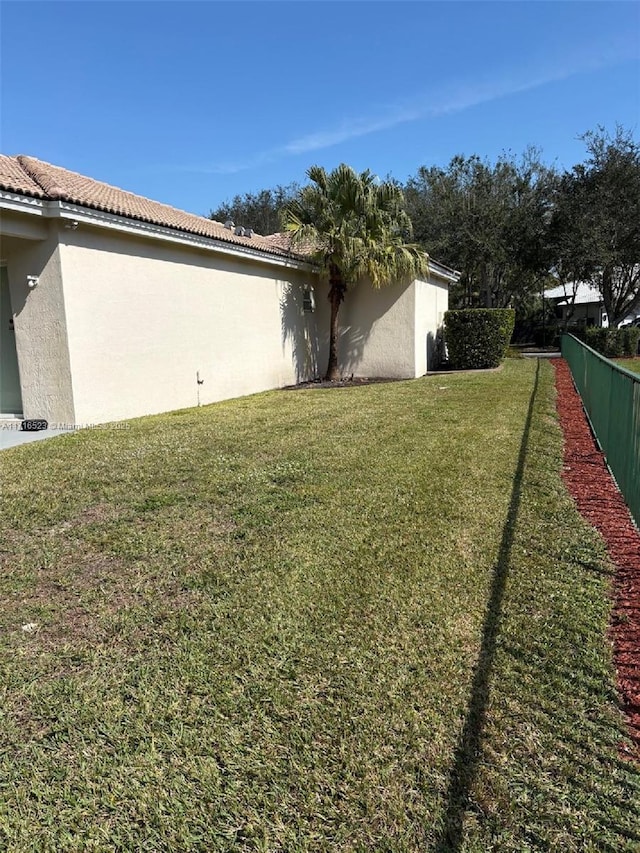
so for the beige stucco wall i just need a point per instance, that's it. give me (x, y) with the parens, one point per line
(376, 331)
(123, 325)
(17, 224)
(387, 332)
(145, 319)
(39, 321)
(431, 302)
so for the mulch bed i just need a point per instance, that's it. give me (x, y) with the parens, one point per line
(346, 382)
(600, 502)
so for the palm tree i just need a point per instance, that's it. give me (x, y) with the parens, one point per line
(357, 226)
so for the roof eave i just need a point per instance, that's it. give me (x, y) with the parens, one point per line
(449, 274)
(124, 224)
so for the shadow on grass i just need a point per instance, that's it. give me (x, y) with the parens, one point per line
(467, 753)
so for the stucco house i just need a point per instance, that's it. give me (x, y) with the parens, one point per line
(115, 306)
(581, 303)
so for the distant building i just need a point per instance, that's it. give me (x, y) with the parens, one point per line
(578, 304)
(581, 304)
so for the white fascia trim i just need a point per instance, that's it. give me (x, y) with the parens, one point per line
(446, 273)
(22, 203)
(64, 210)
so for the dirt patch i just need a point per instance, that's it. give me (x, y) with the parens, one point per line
(79, 598)
(95, 514)
(357, 381)
(454, 371)
(600, 502)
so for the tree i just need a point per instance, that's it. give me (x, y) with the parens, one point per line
(488, 220)
(597, 212)
(261, 210)
(567, 242)
(356, 226)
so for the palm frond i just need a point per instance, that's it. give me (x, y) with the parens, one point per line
(356, 225)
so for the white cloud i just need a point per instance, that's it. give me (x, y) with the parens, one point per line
(452, 99)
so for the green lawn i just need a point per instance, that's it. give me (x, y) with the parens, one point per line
(362, 619)
(632, 364)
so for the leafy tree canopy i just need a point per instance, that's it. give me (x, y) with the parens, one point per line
(260, 210)
(487, 220)
(595, 230)
(506, 225)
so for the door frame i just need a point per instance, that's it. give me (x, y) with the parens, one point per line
(4, 279)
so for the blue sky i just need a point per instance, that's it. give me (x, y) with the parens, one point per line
(192, 102)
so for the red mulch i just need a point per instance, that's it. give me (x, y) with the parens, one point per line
(600, 502)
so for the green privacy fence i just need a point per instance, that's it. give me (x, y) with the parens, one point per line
(611, 398)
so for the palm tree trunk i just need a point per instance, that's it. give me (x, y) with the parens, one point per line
(336, 295)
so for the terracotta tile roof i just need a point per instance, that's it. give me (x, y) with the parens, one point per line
(283, 240)
(14, 178)
(34, 177)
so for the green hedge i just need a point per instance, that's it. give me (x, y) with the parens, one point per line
(579, 332)
(478, 338)
(613, 343)
(631, 340)
(546, 336)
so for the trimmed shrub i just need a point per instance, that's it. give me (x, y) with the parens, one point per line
(478, 338)
(546, 336)
(608, 342)
(579, 332)
(631, 340)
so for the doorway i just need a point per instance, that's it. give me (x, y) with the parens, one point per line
(10, 395)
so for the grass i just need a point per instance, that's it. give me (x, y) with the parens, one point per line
(514, 352)
(632, 364)
(353, 619)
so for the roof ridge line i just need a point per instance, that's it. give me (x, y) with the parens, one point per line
(38, 171)
(30, 172)
(36, 175)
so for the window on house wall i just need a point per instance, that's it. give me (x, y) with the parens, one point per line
(308, 302)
